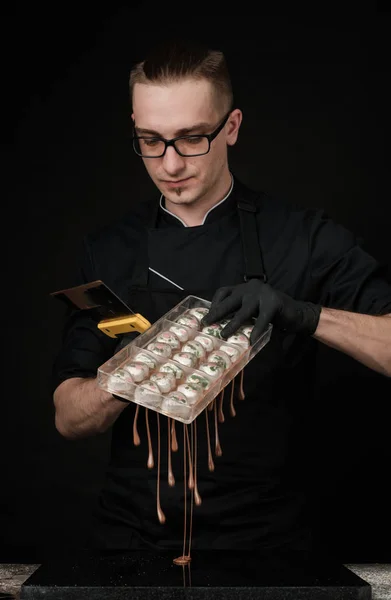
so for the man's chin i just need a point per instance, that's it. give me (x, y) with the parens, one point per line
(179, 196)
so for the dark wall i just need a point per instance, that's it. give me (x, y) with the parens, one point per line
(314, 92)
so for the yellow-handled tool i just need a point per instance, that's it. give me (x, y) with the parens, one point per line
(115, 327)
(114, 316)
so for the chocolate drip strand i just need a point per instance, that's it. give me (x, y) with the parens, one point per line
(183, 560)
(136, 437)
(186, 567)
(171, 478)
(218, 451)
(160, 513)
(231, 400)
(174, 441)
(221, 413)
(189, 450)
(150, 463)
(197, 497)
(241, 390)
(211, 465)
(192, 489)
(185, 490)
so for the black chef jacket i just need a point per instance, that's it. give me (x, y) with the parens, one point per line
(253, 499)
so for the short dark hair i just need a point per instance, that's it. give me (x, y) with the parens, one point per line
(185, 59)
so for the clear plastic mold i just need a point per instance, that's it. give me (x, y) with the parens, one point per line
(177, 367)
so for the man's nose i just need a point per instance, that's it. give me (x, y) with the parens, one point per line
(172, 161)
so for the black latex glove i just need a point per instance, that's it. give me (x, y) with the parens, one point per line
(257, 299)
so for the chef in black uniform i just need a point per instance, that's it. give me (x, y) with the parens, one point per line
(206, 233)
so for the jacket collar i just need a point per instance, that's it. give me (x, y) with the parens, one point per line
(225, 206)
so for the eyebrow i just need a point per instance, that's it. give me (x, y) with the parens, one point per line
(183, 131)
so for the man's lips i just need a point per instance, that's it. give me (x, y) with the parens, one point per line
(171, 183)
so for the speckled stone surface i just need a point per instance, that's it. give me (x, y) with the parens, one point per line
(12, 576)
(378, 575)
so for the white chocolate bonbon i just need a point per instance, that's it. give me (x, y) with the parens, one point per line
(198, 381)
(137, 370)
(169, 337)
(232, 352)
(181, 332)
(212, 369)
(160, 349)
(213, 329)
(247, 330)
(175, 403)
(205, 341)
(147, 359)
(191, 393)
(120, 381)
(221, 358)
(189, 321)
(185, 358)
(172, 367)
(194, 348)
(148, 392)
(199, 313)
(240, 339)
(165, 381)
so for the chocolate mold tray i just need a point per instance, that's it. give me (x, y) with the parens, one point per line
(177, 367)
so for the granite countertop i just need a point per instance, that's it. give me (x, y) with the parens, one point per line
(12, 576)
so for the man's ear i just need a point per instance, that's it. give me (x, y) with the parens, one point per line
(233, 126)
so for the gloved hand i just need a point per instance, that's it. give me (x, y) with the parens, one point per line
(257, 299)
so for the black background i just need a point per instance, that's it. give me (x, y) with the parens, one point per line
(314, 89)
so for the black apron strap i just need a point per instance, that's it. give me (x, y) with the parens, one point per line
(148, 218)
(253, 263)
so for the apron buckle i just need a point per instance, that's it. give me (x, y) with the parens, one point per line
(247, 206)
(248, 277)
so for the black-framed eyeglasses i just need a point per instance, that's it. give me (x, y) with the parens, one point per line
(185, 145)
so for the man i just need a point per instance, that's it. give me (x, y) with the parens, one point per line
(211, 236)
